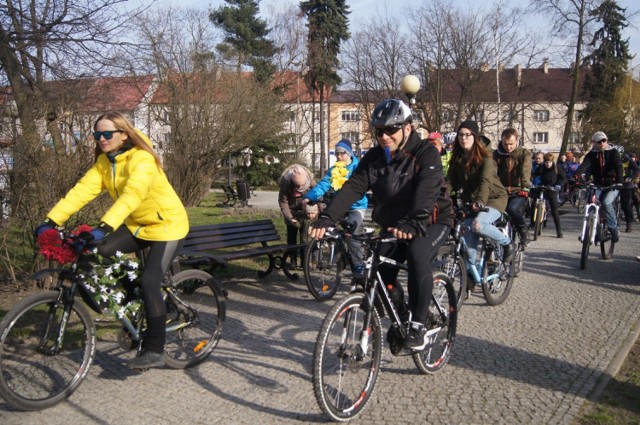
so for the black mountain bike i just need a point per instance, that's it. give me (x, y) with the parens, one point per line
(327, 261)
(348, 350)
(48, 340)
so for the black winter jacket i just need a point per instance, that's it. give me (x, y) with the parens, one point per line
(552, 176)
(604, 166)
(411, 184)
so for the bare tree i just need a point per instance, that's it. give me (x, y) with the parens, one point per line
(206, 113)
(40, 42)
(570, 17)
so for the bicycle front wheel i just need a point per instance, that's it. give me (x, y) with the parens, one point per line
(443, 318)
(455, 268)
(196, 311)
(324, 263)
(538, 219)
(497, 279)
(586, 240)
(345, 372)
(38, 370)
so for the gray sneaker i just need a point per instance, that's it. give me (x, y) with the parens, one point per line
(147, 360)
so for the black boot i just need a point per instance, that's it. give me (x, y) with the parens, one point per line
(524, 235)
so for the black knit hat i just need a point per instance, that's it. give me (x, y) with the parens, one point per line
(471, 126)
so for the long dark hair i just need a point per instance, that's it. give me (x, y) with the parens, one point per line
(476, 156)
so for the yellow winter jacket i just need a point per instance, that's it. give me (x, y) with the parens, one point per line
(144, 200)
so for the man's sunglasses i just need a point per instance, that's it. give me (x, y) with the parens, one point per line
(601, 141)
(108, 135)
(389, 131)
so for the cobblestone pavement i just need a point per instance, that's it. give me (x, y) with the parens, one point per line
(531, 360)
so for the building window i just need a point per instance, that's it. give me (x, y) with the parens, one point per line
(292, 117)
(447, 115)
(508, 116)
(541, 138)
(351, 116)
(541, 115)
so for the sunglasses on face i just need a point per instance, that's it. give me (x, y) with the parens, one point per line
(389, 131)
(601, 141)
(108, 135)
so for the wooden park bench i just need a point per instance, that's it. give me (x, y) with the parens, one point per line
(231, 197)
(214, 245)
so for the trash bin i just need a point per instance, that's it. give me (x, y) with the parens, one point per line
(244, 193)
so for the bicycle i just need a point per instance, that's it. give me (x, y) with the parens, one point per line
(540, 210)
(348, 350)
(495, 277)
(594, 225)
(326, 259)
(48, 340)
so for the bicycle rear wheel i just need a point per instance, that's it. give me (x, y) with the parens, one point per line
(455, 268)
(586, 240)
(324, 263)
(443, 318)
(196, 311)
(344, 377)
(34, 374)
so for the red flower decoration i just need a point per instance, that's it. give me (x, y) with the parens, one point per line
(52, 247)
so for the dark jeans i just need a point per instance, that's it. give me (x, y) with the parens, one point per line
(159, 258)
(419, 254)
(296, 235)
(628, 201)
(516, 209)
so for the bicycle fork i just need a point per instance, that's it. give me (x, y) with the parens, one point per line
(585, 223)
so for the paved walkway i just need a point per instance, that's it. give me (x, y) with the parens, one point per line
(532, 360)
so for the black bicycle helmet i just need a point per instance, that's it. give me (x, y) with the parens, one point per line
(391, 113)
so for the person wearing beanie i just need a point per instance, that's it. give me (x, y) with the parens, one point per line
(330, 184)
(605, 166)
(295, 182)
(472, 175)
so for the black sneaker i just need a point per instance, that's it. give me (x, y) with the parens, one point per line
(147, 360)
(416, 339)
(508, 252)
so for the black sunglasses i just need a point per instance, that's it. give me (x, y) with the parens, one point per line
(108, 135)
(601, 141)
(388, 130)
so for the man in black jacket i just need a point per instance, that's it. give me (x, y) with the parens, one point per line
(605, 166)
(405, 175)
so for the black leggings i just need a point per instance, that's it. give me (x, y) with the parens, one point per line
(159, 258)
(419, 254)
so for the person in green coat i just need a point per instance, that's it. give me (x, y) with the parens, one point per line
(472, 176)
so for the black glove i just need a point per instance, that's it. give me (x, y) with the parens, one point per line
(44, 226)
(409, 226)
(415, 224)
(323, 222)
(88, 239)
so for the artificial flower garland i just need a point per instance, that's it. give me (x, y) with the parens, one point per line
(104, 279)
(339, 175)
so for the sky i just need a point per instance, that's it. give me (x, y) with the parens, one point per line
(363, 11)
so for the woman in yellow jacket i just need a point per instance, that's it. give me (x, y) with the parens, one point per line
(146, 213)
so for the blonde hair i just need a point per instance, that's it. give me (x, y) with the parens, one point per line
(136, 137)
